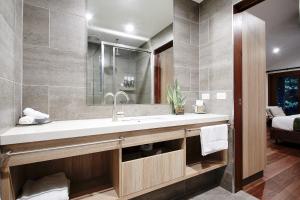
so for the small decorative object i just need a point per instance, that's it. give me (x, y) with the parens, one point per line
(199, 107)
(176, 99)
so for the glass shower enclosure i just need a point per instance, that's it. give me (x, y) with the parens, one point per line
(115, 67)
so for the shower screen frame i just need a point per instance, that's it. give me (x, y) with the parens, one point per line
(129, 48)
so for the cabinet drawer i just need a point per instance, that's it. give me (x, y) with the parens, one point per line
(163, 168)
(132, 176)
(151, 137)
(151, 171)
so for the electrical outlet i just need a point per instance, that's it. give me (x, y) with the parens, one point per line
(221, 95)
(205, 96)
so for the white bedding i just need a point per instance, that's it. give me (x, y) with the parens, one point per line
(284, 122)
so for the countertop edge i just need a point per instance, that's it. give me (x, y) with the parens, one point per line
(65, 134)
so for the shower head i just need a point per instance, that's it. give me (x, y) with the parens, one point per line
(117, 49)
(117, 52)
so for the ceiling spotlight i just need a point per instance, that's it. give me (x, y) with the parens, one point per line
(129, 28)
(88, 16)
(276, 50)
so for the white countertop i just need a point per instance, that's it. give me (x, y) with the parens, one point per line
(79, 128)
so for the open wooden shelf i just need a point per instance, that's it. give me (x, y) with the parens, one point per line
(197, 164)
(92, 189)
(203, 167)
(109, 194)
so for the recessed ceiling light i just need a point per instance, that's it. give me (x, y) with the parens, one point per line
(276, 50)
(129, 28)
(88, 16)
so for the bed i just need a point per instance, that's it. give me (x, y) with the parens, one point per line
(284, 128)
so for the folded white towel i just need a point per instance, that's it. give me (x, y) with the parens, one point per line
(213, 138)
(26, 120)
(54, 187)
(35, 114)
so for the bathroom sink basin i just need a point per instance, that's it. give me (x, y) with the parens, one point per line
(140, 119)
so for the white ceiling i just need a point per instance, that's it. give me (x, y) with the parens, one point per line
(282, 30)
(148, 16)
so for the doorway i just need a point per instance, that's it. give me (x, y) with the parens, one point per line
(244, 89)
(279, 178)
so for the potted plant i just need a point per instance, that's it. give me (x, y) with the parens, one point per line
(176, 99)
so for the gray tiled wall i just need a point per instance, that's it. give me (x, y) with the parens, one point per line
(54, 59)
(216, 64)
(216, 54)
(186, 49)
(11, 14)
(55, 62)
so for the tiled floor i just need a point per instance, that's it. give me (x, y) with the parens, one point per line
(219, 193)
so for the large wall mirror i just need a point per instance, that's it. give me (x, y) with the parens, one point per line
(130, 49)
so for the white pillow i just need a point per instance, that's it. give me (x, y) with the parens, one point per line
(276, 111)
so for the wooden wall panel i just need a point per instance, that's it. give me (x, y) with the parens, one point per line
(254, 98)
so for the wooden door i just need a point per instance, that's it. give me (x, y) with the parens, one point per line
(163, 72)
(253, 94)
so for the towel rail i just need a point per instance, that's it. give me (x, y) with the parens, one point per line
(195, 129)
(10, 153)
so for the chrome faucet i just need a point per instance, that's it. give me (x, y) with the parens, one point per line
(115, 96)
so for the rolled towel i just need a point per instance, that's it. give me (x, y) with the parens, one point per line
(50, 187)
(26, 120)
(35, 114)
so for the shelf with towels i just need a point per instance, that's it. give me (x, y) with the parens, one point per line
(96, 188)
(90, 175)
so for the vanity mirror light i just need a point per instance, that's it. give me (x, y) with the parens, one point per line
(129, 49)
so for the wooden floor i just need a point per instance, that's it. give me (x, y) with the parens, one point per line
(281, 179)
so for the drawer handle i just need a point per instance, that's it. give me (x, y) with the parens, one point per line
(10, 153)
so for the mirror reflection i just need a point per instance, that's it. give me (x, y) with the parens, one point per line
(129, 50)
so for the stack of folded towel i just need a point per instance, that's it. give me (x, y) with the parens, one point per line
(54, 187)
(32, 116)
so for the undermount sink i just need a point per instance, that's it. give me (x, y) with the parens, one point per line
(144, 118)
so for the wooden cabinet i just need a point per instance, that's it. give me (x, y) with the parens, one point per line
(107, 170)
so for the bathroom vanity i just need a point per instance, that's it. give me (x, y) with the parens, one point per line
(103, 159)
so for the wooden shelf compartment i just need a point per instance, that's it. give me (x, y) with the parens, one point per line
(97, 188)
(203, 167)
(197, 164)
(92, 176)
(136, 152)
